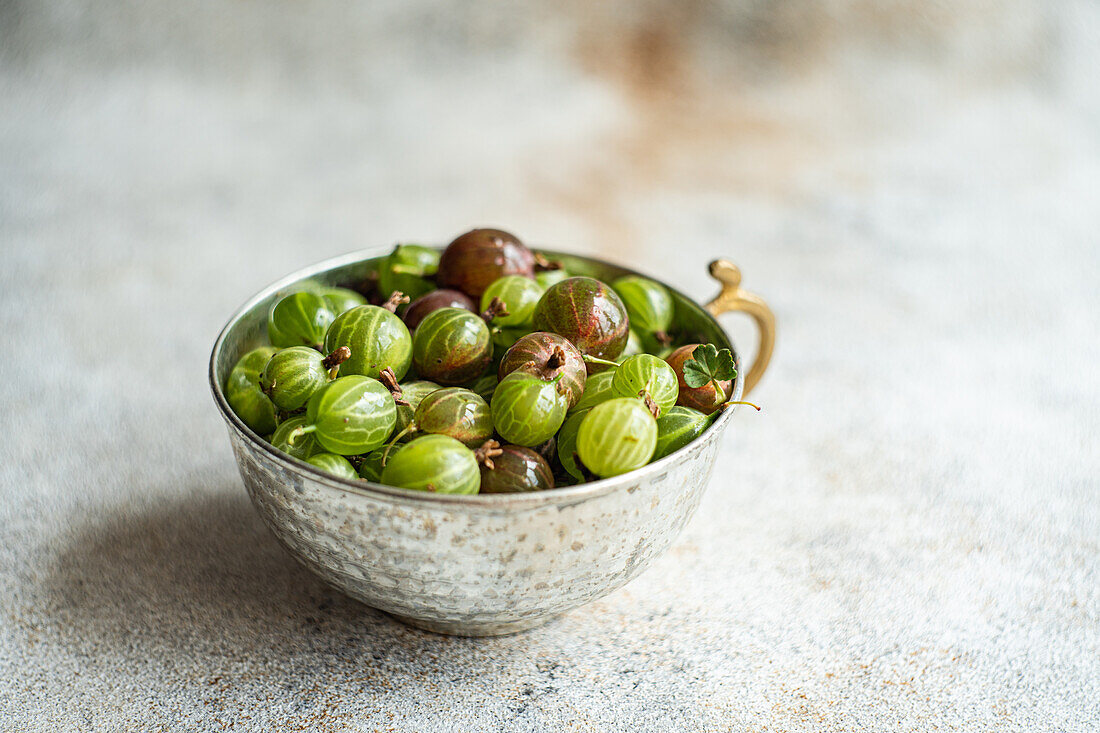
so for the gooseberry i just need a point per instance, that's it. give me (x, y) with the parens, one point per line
(411, 394)
(433, 301)
(244, 394)
(649, 304)
(567, 444)
(292, 375)
(597, 389)
(617, 436)
(436, 463)
(645, 375)
(705, 399)
(377, 339)
(519, 296)
(350, 415)
(527, 410)
(456, 412)
(408, 269)
(370, 468)
(547, 355)
(333, 464)
(677, 427)
(341, 299)
(516, 469)
(451, 346)
(588, 313)
(299, 319)
(475, 259)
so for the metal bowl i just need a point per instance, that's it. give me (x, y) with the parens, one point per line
(478, 565)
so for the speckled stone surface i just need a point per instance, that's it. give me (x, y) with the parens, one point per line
(907, 538)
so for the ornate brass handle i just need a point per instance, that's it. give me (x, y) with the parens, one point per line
(733, 298)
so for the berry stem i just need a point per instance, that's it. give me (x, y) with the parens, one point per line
(333, 361)
(718, 388)
(404, 431)
(489, 450)
(299, 432)
(496, 308)
(602, 362)
(396, 298)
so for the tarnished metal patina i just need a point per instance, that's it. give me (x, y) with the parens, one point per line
(477, 565)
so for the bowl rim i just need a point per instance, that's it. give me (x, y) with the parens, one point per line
(558, 495)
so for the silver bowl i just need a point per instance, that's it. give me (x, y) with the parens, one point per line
(478, 565)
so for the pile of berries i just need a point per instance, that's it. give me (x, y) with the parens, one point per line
(482, 368)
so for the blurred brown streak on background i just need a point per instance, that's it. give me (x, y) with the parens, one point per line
(742, 97)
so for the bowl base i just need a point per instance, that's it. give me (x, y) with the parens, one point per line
(460, 628)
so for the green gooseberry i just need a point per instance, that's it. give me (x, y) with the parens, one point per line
(303, 446)
(679, 426)
(333, 464)
(407, 270)
(299, 319)
(350, 415)
(437, 463)
(546, 278)
(634, 346)
(567, 444)
(644, 374)
(412, 393)
(526, 409)
(456, 412)
(377, 339)
(519, 296)
(617, 436)
(597, 389)
(243, 392)
(370, 468)
(291, 376)
(649, 304)
(341, 299)
(452, 346)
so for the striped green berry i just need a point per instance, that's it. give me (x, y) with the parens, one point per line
(341, 299)
(617, 436)
(567, 444)
(648, 303)
(370, 468)
(451, 346)
(299, 319)
(334, 464)
(412, 392)
(407, 269)
(597, 389)
(243, 392)
(436, 463)
(291, 376)
(527, 410)
(350, 415)
(677, 427)
(519, 295)
(645, 373)
(456, 412)
(377, 339)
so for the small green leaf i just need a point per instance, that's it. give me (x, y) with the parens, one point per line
(708, 364)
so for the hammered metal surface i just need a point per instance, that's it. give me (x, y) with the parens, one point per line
(481, 565)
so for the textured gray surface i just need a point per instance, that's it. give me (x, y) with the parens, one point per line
(905, 539)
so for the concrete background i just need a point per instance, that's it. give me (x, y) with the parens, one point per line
(906, 538)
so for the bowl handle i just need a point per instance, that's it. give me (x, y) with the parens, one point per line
(733, 298)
